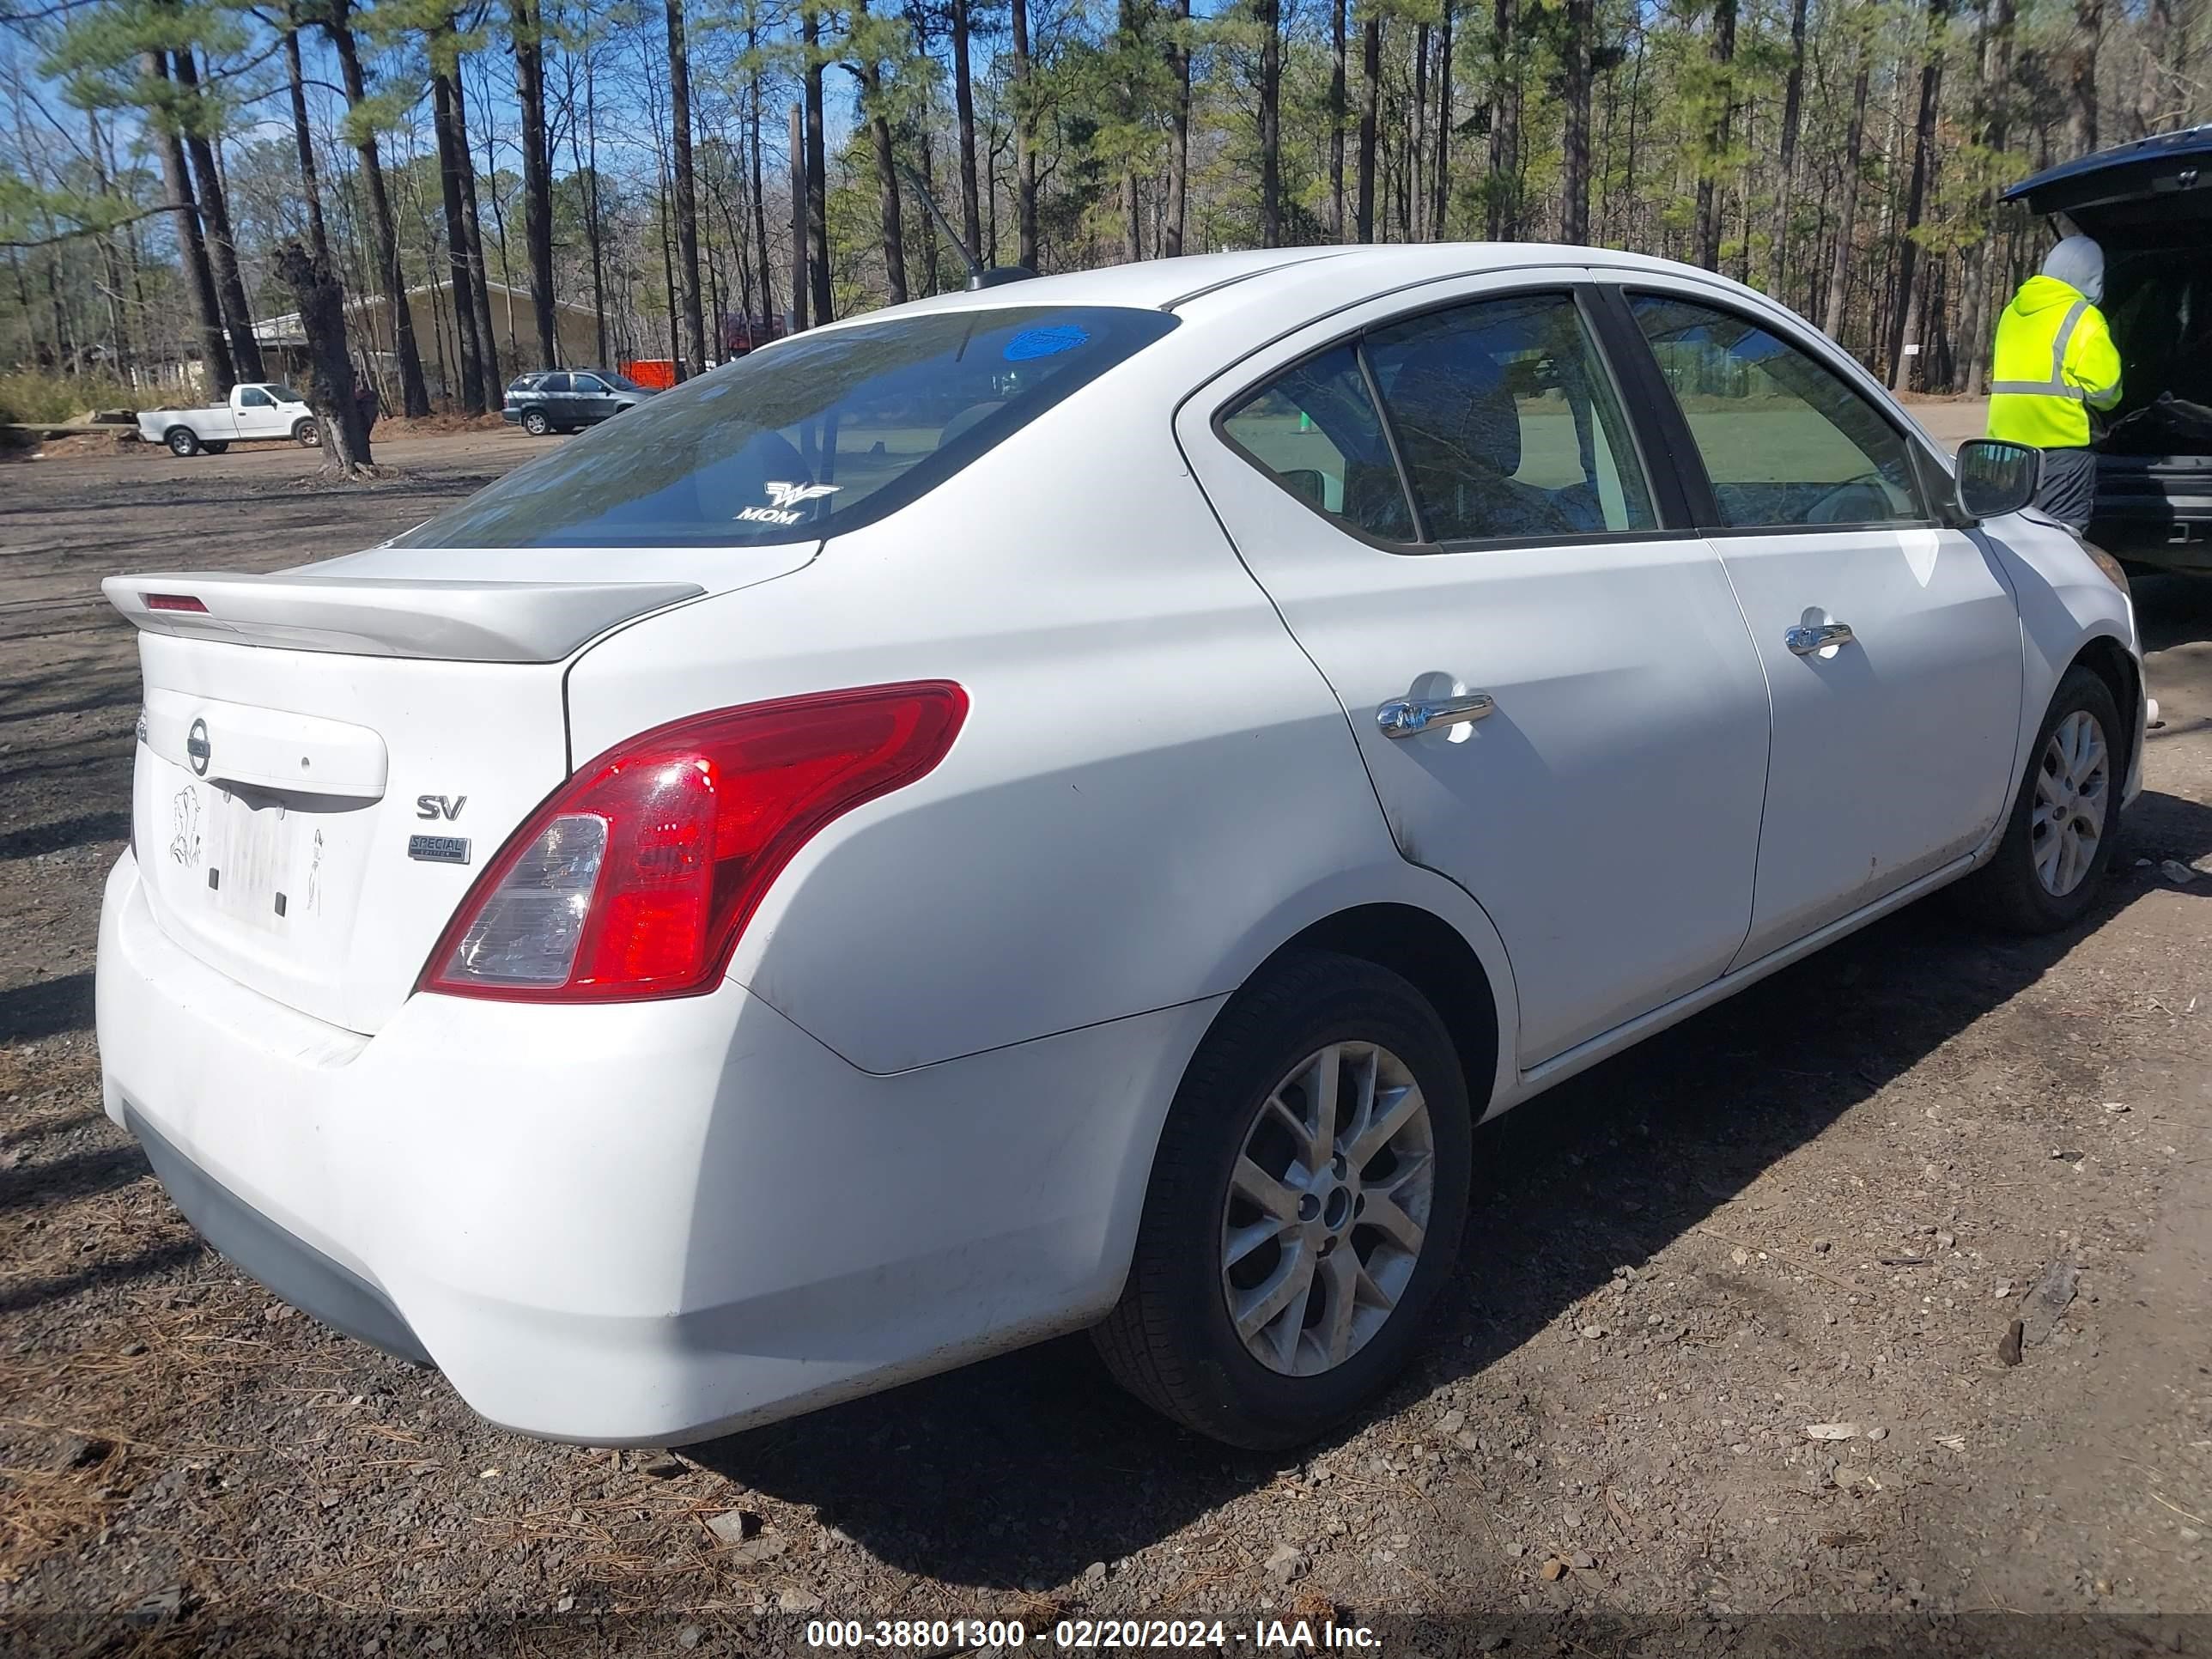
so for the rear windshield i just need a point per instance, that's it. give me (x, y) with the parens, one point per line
(808, 437)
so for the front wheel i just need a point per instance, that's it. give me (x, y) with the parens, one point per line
(184, 443)
(2059, 839)
(308, 434)
(1305, 1206)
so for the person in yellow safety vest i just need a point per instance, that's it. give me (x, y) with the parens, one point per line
(2053, 363)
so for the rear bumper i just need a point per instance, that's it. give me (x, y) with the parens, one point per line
(639, 1225)
(290, 1267)
(2154, 511)
(511, 415)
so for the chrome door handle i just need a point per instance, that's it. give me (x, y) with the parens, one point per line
(1804, 639)
(1419, 714)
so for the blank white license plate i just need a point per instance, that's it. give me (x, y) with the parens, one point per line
(250, 855)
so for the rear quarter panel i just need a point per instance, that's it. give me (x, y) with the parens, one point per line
(1153, 790)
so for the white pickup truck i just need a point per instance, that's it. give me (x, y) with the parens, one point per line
(255, 414)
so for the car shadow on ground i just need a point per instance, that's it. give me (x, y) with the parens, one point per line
(1020, 1472)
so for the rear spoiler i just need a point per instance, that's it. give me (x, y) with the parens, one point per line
(388, 616)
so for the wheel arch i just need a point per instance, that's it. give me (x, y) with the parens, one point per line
(1431, 954)
(2107, 657)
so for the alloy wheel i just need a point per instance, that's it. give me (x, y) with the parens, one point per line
(1328, 1209)
(2072, 780)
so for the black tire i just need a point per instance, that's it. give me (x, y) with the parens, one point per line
(535, 423)
(184, 443)
(216, 446)
(308, 434)
(2006, 892)
(1169, 1340)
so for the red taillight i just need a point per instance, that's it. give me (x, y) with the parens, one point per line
(637, 876)
(172, 602)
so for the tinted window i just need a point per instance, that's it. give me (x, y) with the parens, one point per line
(1507, 422)
(553, 383)
(808, 437)
(587, 383)
(525, 382)
(1785, 439)
(1315, 428)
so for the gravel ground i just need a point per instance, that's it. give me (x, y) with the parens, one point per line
(1722, 1372)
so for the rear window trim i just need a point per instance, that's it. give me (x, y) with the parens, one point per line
(922, 478)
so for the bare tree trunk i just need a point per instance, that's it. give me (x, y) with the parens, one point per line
(687, 194)
(1025, 167)
(414, 395)
(1501, 219)
(760, 195)
(1575, 182)
(592, 231)
(1418, 139)
(1716, 134)
(1179, 134)
(1916, 199)
(2156, 34)
(817, 180)
(321, 299)
(2081, 74)
(1785, 161)
(528, 25)
(222, 249)
(870, 75)
(319, 238)
(111, 262)
(215, 350)
(1271, 124)
(1339, 108)
(963, 104)
(801, 286)
(1854, 150)
(1996, 109)
(1441, 169)
(473, 229)
(1370, 107)
(451, 160)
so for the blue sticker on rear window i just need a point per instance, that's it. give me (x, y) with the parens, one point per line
(1044, 342)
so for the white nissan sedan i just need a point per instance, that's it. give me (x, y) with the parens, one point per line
(1062, 807)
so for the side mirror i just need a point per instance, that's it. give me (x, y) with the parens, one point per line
(1996, 477)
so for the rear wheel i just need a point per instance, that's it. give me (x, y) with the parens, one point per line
(535, 423)
(183, 442)
(2059, 840)
(1305, 1206)
(308, 434)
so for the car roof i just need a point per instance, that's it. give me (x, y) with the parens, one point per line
(1217, 284)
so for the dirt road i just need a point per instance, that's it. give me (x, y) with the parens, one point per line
(1722, 1362)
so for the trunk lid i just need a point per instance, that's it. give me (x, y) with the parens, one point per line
(327, 758)
(2149, 205)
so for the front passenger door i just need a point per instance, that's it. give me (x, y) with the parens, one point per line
(1890, 641)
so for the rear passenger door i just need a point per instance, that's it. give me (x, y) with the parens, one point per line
(1545, 674)
(1890, 641)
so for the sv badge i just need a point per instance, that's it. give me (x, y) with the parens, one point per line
(447, 807)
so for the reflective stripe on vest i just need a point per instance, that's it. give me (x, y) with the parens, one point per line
(2057, 385)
